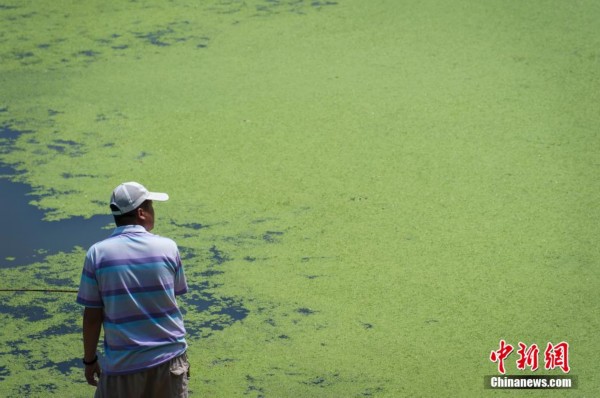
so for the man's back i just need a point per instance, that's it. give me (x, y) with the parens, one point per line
(134, 276)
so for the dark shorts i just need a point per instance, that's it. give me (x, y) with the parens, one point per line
(169, 380)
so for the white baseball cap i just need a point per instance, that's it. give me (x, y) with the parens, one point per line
(130, 195)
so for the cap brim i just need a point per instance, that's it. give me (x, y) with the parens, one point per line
(159, 196)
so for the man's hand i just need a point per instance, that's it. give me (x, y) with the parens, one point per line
(90, 373)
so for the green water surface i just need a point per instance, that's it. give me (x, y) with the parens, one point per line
(368, 195)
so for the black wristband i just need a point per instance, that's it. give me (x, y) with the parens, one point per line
(93, 361)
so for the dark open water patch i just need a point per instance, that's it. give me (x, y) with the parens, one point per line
(25, 237)
(69, 326)
(9, 134)
(305, 311)
(218, 312)
(32, 313)
(65, 367)
(26, 390)
(218, 257)
(271, 236)
(253, 388)
(4, 372)
(192, 225)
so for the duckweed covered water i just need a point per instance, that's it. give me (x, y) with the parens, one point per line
(368, 196)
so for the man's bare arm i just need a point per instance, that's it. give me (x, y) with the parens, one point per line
(92, 326)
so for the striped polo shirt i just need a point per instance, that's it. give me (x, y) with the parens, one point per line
(134, 276)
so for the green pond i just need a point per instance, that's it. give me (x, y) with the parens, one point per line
(368, 195)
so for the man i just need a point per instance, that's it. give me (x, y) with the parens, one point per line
(128, 286)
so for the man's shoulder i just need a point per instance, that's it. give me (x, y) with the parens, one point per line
(161, 239)
(161, 244)
(116, 243)
(109, 241)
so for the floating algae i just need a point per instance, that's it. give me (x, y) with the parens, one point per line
(363, 193)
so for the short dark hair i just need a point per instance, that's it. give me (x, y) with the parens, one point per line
(130, 217)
